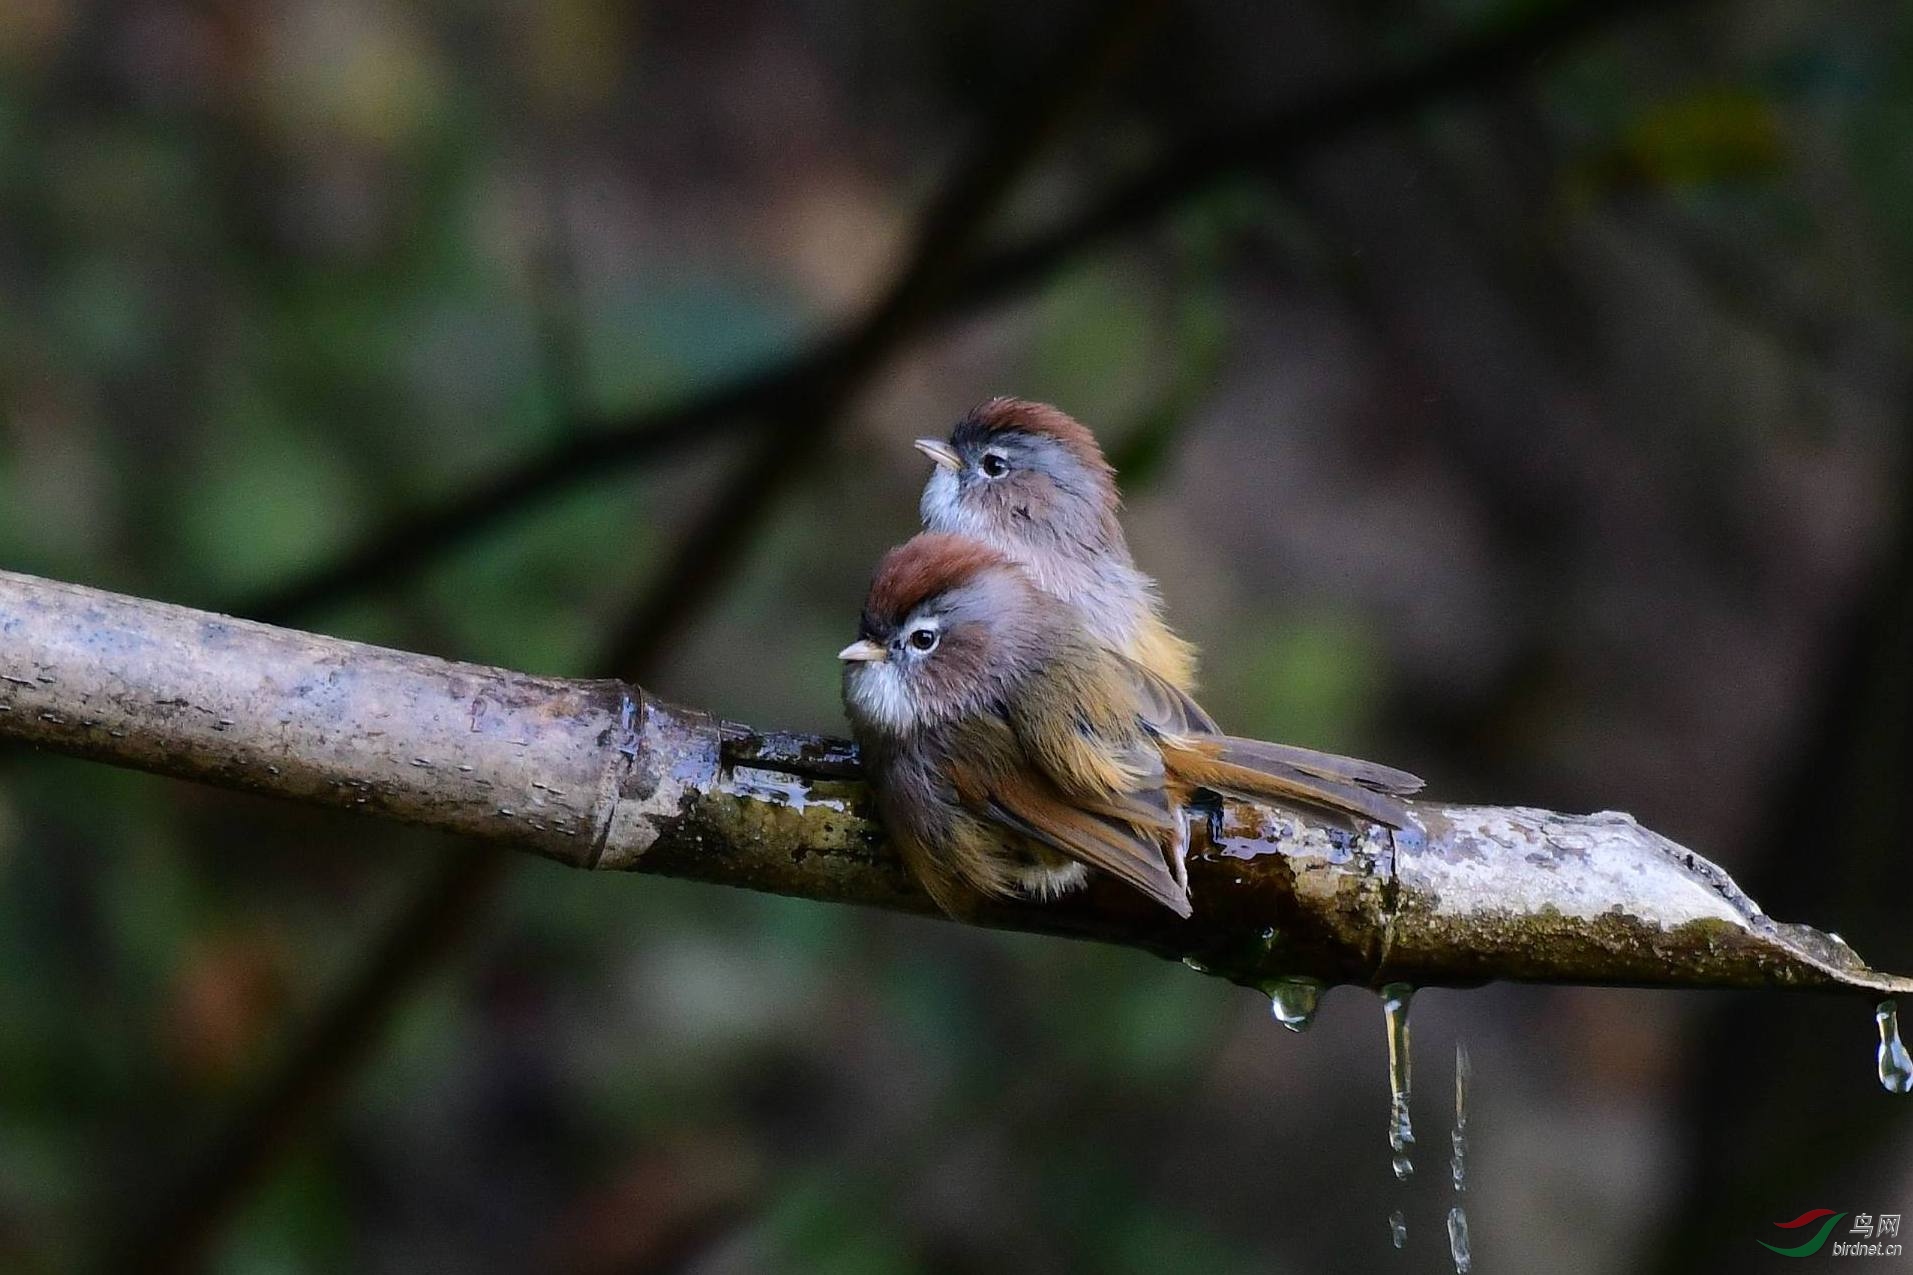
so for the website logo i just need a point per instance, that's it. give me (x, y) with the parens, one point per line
(1873, 1231)
(1813, 1245)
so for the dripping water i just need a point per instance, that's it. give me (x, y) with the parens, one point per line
(1401, 1133)
(1458, 1162)
(1458, 1140)
(1458, 1239)
(1397, 1228)
(1293, 1001)
(1896, 1066)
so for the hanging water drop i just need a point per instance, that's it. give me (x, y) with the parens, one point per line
(1896, 1066)
(1293, 1001)
(1401, 1132)
(1397, 1228)
(1458, 1240)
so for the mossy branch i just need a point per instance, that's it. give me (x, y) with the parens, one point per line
(599, 774)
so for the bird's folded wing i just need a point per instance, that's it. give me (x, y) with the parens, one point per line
(1035, 809)
(1095, 753)
(1116, 829)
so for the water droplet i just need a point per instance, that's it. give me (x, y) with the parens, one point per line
(1198, 966)
(1397, 1228)
(1458, 1240)
(1294, 1001)
(1896, 1066)
(1401, 1132)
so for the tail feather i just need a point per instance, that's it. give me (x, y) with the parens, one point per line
(1259, 754)
(1285, 784)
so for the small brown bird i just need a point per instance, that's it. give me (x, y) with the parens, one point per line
(1011, 752)
(1029, 479)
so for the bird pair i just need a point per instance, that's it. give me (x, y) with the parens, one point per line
(1022, 706)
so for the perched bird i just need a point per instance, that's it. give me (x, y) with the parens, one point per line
(1029, 479)
(1012, 752)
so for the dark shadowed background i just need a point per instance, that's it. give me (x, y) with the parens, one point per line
(1538, 425)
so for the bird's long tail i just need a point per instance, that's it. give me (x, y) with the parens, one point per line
(1255, 770)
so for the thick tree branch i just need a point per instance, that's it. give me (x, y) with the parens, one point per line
(597, 774)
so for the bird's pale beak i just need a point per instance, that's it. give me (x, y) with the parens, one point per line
(940, 452)
(862, 651)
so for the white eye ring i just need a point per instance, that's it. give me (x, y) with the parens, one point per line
(924, 640)
(994, 464)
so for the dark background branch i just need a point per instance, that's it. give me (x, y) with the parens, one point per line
(1186, 169)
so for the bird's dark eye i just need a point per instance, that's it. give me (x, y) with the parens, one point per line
(995, 465)
(924, 639)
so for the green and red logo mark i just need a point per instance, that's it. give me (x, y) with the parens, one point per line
(1813, 1245)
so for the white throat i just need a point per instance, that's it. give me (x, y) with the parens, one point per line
(876, 694)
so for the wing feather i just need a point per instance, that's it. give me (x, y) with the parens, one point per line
(1167, 709)
(1110, 845)
(1101, 807)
